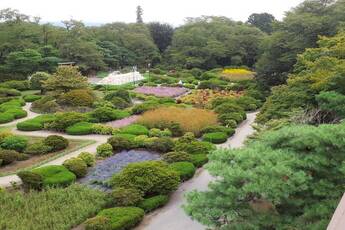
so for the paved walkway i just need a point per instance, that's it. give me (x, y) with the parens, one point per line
(172, 216)
(5, 181)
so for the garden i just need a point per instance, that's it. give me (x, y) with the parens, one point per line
(156, 135)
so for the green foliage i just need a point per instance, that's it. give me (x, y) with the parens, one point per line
(333, 102)
(8, 156)
(36, 123)
(31, 98)
(185, 170)
(105, 150)
(120, 93)
(6, 117)
(46, 104)
(160, 144)
(77, 166)
(160, 133)
(121, 142)
(135, 129)
(214, 129)
(17, 143)
(38, 148)
(290, 178)
(104, 114)
(193, 147)
(4, 92)
(37, 79)
(215, 138)
(152, 203)
(88, 158)
(119, 218)
(67, 206)
(177, 157)
(199, 160)
(55, 176)
(56, 142)
(81, 128)
(263, 21)
(64, 120)
(77, 97)
(14, 84)
(126, 196)
(31, 180)
(150, 177)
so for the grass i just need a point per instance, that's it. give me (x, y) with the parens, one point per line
(37, 161)
(190, 120)
(55, 209)
(30, 92)
(6, 128)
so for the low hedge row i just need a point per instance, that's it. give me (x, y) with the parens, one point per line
(81, 128)
(36, 123)
(186, 170)
(31, 98)
(153, 203)
(215, 138)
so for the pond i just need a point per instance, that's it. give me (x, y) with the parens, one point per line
(104, 169)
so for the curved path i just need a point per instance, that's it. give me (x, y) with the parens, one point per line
(172, 216)
(5, 181)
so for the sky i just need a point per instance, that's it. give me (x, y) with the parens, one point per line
(169, 11)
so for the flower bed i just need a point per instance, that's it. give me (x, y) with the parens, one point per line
(161, 91)
(237, 74)
(123, 122)
(106, 168)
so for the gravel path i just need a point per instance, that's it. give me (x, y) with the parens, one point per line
(172, 216)
(5, 181)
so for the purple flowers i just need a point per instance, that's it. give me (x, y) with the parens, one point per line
(162, 91)
(123, 122)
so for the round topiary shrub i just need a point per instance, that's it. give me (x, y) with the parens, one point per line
(199, 160)
(162, 144)
(121, 142)
(215, 138)
(8, 156)
(81, 128)
(56, 142)
(105, 150)
(76, 166)
(104, 114)
(186, 170)
(31, 98)
(126, 196)
(176, 157)
(150, 177)
(119, 218)
(31, 180)
(17, 143)
(153, 203)
(6, 117)
(38, 148)
(55, 175)
(88, 158)
(135, 130)
(77, 97)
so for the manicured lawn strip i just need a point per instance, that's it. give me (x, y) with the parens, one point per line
(74, 146)
(55, 209)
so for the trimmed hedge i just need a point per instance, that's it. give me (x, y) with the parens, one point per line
(31, 98)
(8, 156)
(105, 150)
(215, 138)
(150, 177)
(76, 166)
(217, 129)
(56, 142)
(38, 148)
(121, 142)
(47, 176)
(194, 147)
(186, 170)
(6, 117)
(36, 123)
(81, 128)
(88, 158)
(120, 218)
(153, 203)
(135, 130)
(177, 157)
(160, 144)
(17, 143)
(199, 160)
(126, 196)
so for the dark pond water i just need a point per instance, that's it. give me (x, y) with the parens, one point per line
(99, 174)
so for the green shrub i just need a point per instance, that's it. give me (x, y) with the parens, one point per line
(120, 93)
(8, 156)
(31, 98)
(126, 196)
(15, 84)
(194, 147)
(88, 158)
(153, 203)
(104, 114)
(225, 118)
(147, 105)
(228, 107)
(55, 175)
(119, 103)
(217, 129)
(135, 130)
(77, 97)
(215, 138)
(120, 218)
(81, 128)
(36, 123)
(150, 177)
(4, 92)
(17, 143)
(177, 157)
(31, 180)
(22, 156)
(186, 170)
(17, 113)
(160, 144)
(56, 142)
(6, 117)
(160, 133)
(105, 150)
(46, 104)
(121, 142)
(64, 120)
(102, 129)
(199, 160)
(36, 80)
(76, 166)
(38, 148)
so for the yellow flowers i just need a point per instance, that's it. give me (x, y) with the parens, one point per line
(237, 74)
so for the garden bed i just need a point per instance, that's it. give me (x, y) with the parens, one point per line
(123, 122)
(161, 91)
(104, 169)
(38, 160)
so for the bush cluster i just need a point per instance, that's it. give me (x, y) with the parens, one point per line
(105, 150)
(77, 97)
(64, 120)
(17, 143)
(160, 133)
(135, 129)
(36, 123)
(56, 142)
(185, 170)
(215, 138)
(152, 203)
(77, 166)
(31, 98)
(81, 128)
(177, 157)
(126, 196)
